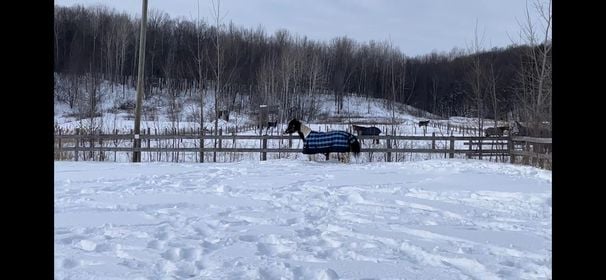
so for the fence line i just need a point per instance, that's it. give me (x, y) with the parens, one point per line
(524, 150)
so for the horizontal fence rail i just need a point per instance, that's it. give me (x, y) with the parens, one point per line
(162, 147)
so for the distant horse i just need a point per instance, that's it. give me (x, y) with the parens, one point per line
(493, 131)
(363, 130)
(324, 142)
(503, 129)
(271, 125)
(268, 127)
(423, 123)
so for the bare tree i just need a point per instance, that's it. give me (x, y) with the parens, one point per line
(315, 78)
(535, 75)
(492, 83)
(475, 77)
(219, 57)
(283, 69)
(343, 49)
(200, 84)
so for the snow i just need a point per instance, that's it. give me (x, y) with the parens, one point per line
(300, 219)
(356, 109)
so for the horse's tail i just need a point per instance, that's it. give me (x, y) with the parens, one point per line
(355, 147)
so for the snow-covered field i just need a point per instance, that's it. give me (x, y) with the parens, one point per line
(299, 219)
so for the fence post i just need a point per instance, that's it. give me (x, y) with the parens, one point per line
(534, 157)
(77, 143)
(149, 139)
(233, 133)
(91, 144)
(512, 157)
(480, 148)
(470, 148)
(525, 157)
(433, 144)
(60, 146)
(540, 152)
(101, 153)
(115, 143)
(158, 145)
(263, 152)
(220, 140)
(201, 133)
(389, 149)
(452, 141)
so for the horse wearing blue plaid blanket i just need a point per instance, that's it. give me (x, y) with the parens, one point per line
(324, 142)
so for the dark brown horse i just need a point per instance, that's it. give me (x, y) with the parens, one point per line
(363, 130)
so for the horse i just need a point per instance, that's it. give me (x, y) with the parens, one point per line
(503, 129)
(271, 125)
(324, 142)
(493, 131)
(423, 123)
(362, 130)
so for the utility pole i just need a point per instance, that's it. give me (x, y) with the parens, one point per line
(137, 140)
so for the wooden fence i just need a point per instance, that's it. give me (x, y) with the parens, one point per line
(162, 147)
(533, 151)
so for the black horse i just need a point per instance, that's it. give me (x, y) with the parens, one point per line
(363, 130)
(272, 124)
(423, 123)
(324, 142)
(495, 131)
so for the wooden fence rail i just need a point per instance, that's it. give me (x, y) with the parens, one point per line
(533, 151)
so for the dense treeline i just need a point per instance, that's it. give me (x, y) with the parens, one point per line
(281, 69)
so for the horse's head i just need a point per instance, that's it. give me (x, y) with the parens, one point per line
(293, 126)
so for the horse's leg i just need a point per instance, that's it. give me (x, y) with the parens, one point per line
(344, 157)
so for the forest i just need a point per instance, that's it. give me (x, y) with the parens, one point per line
(185, 57)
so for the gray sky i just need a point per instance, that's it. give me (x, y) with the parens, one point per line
(416, 27)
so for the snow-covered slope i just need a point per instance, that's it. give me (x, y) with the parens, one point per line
(356, 109)
(297, 219)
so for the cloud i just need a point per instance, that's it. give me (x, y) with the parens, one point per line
(416, 26)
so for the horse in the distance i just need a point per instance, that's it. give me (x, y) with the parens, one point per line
(270, 125)
(363, 130)
(315, 142)
(495, 131)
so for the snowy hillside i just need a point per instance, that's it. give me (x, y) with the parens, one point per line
(298, 219)
(156, 115)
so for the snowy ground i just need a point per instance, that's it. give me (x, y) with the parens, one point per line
(298, 219)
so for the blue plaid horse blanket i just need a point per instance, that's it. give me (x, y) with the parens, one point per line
(328, 142)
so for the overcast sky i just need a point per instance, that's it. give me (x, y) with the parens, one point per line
(416, 27)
